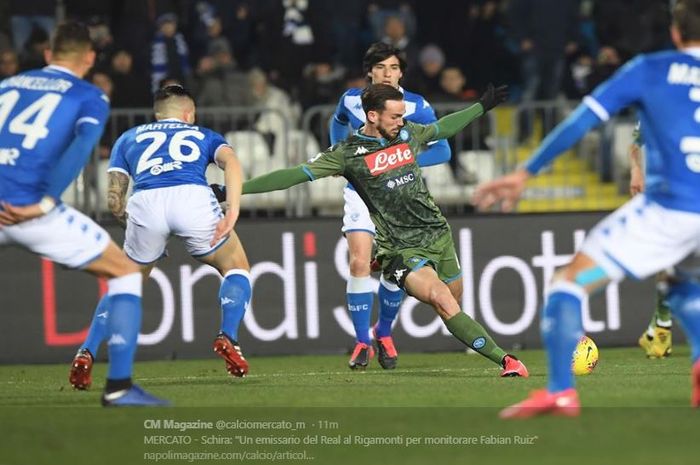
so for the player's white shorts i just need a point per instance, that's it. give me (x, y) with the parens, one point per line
(189, 211)
(356, 217)
(642, 238)
(64, 235)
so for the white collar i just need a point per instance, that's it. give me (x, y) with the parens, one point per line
(61, 69)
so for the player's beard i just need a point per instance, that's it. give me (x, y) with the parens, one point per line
(385, 134)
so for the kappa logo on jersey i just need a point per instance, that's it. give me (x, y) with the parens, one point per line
(388, 159)
(401, 180)
(361, 150)
(8, 156)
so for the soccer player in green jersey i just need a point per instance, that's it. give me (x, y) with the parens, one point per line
(656, 340)
(415, 246)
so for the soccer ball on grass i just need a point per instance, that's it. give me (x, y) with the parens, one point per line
(585, 356)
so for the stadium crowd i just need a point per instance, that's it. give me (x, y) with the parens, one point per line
(293, 54)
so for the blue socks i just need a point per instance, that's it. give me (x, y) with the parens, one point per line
(561, 328)
(98, 327)
(360, 298)
(684, 300)
(390, 296)
(123, 323)
(234, 297)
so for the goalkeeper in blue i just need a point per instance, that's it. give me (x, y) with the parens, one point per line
(383, 64)
(636, 239)
(50, 121)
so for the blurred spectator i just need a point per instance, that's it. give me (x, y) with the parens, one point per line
(283, 113)
(29, 15)
(104, 82)
(131, 88)
(102, 40)
(395, 34)
(607, 62)
(424, 79)
(454, 88)
(632, 26)
(322, 84)
(220, 81)
(349, 32)
(5, 29)
(9, 63)
(546, 30)
(32, 56)
(379, 11)
(169, 52)
(292, 35)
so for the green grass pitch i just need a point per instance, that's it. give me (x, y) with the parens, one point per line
(435, 409)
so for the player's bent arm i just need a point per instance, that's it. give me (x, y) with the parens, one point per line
(233, 177)
(277, 180)
(74, 158)
(118, 184)
(438, 152)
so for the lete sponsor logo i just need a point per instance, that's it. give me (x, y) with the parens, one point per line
(389, 159)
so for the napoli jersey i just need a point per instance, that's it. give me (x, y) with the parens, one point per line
(665, 87)
(39, 113)
(349, 109)
(165, 153)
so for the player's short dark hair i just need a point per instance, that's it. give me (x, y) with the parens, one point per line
(70, 37)
(378, 52)
(374, 96)
(686, 17)
(164, 94)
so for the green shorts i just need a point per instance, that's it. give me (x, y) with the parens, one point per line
(441, 256)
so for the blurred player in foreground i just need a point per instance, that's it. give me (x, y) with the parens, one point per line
(50, 121)
(656, 340)
(415, 247)
(167, 160)
(651, 232)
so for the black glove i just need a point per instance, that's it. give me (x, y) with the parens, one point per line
(493, 96)
(219, 192)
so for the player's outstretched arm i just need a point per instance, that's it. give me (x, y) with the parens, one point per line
(117, 186)
(276, 180)
(451, 124)
(233, 179)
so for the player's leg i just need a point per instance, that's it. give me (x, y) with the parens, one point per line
(359, 232)
(360, 296)
(234, 296)
(683, 298)
(423, 284)
(123, 325)
(390, 296)
(80, 375)
(656, 340)
(635, 241)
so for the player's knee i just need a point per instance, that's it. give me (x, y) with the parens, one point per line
(359, 267)
(441, 299)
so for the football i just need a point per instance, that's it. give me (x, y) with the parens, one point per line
(585, 356)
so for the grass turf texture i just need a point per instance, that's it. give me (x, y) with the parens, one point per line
(635, 411)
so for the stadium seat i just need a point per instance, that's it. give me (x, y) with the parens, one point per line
(442, 185)
(250, 147)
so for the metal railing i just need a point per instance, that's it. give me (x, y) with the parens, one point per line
(490, 146)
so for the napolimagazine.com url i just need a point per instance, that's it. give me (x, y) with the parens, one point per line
(244, 456)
